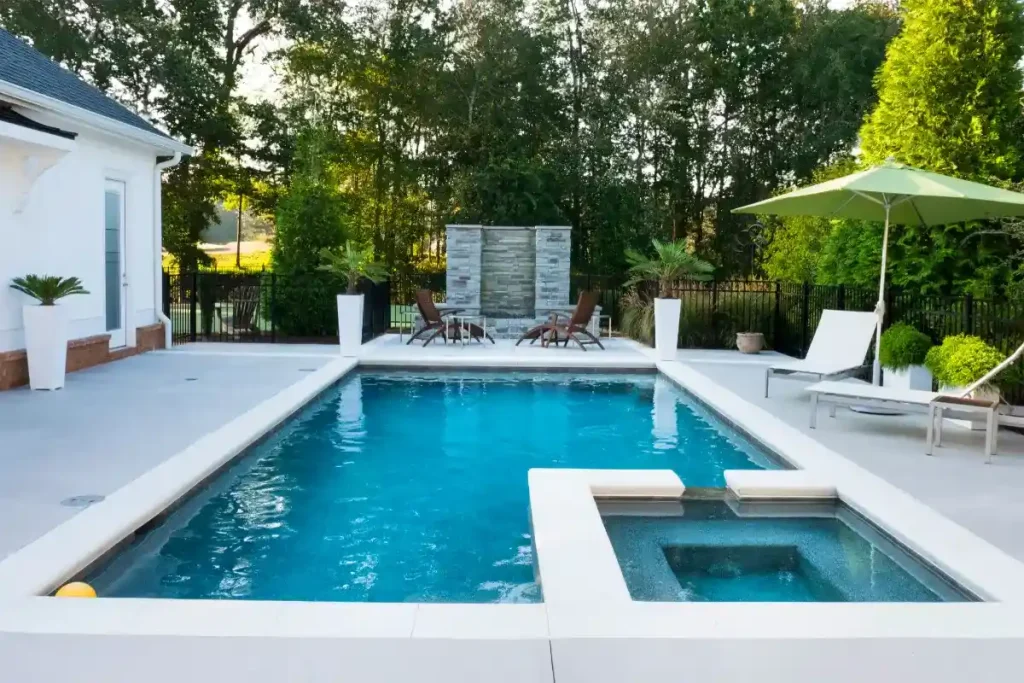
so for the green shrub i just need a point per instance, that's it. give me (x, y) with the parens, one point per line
(962, 360)
(903, 346)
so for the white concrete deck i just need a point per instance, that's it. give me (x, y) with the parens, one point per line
(389, 350)
(987, 499)
(592, 640)
(114, 422)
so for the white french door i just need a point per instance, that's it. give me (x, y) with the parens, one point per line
(115, 276)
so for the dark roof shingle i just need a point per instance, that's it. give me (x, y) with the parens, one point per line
(26, 67)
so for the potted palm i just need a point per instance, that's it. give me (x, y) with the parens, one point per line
(46, 327)
(351, 263)
(903, 350)
(671, 262)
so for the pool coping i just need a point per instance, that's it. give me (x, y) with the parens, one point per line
(563, 513)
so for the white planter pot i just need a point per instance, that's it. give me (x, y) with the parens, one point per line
(46, 343)
(914, 377)
(350, 323)
(666, 328)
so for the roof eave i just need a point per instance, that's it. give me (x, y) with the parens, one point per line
(92, 120)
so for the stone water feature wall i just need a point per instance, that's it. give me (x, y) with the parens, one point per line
(507, 271)
(514, 275)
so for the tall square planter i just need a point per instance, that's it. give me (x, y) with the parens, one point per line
(350, 324)
(46, 345)
(666, 328)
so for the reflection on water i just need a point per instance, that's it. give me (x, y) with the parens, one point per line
(402, 486)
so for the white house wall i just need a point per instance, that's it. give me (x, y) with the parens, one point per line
(61, 232)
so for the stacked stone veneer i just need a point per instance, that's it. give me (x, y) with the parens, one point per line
(507, 272)
(514, 275)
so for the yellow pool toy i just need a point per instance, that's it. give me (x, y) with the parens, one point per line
(76, 589)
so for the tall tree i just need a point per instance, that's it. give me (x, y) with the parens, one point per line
(949, 93)
(949, 100)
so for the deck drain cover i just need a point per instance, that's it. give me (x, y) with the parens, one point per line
(191, 379)
(82, 501)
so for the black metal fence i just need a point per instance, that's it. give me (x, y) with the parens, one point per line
(787, 314)
(608, 287)
(260, 306)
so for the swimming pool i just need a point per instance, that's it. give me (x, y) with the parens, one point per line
(711, 551)
(398, 486)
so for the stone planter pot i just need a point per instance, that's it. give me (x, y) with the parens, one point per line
(750, 342)
(666, 328)
(350, 323)
(915, 377)
(46, 344)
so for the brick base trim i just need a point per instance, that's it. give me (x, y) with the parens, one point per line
(82, 353)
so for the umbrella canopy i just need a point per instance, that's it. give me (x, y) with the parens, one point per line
(915, 197)
(894, 194)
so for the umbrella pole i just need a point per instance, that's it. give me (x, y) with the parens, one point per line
(876, 369)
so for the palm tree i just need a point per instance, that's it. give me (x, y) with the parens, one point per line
(353, 263)
(671, 262)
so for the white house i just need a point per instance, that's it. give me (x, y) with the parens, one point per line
(79, 196)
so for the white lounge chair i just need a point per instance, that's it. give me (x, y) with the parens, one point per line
(838, 349)
(936, 405)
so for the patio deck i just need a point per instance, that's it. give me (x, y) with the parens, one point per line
(391, 350)
(152, 412)
(955, 481)
(114, 422)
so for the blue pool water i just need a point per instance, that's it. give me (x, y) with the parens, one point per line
(706, 552)
(412, 487)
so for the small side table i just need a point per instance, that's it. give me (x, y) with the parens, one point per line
(596, 323)
(464, 324)
(964, 408)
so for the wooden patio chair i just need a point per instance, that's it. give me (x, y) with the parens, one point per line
(245, 304)
(433, 320)
(562, 327)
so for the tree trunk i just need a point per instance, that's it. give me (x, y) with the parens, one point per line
(238, 236)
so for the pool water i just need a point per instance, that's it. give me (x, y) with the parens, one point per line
(413, 487)
(708, 552)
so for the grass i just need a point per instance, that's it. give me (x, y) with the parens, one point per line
(258, 260)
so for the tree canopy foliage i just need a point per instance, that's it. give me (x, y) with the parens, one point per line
(949, 100)
(627, 119)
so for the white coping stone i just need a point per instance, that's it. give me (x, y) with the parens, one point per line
(750, 484)
(574, 556)
(976, 564)
(43, 564)
(596, 632)
(481, 622)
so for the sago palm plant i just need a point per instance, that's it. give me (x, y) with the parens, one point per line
(352, 263)
(669, 263)
(48, 289)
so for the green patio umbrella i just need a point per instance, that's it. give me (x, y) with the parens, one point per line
(894, 194)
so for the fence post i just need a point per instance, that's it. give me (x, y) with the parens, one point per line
(805, 315)
(841, 298)
(777, 318)
(714, 312)
(193, 300)
(969, 314)
(273, 307)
